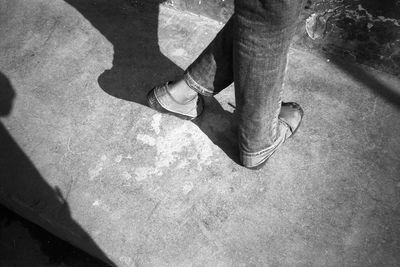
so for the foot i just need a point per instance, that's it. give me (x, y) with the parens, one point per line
(290, 117)
(174, 99)
(181, 92)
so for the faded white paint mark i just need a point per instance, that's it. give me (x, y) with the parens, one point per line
(148, 140)
(182, 164)
(182, 145)
(187, 187)
(93, 173)
(118, 159)
(125, 259)
(98, 203)
(126, 175)
(156, 122)
(180, 52)
(143, 173)
(183, 138)
(114, 215)
(103, 157)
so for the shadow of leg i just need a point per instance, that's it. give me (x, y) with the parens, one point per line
(132, 28)
(220, 126)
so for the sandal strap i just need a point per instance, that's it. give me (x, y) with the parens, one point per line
(166, 88)
(287, 125)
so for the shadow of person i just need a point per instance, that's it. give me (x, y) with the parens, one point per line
(24, 190)
(138, 64)
(220, 126)
(7, 96)
(132, 28)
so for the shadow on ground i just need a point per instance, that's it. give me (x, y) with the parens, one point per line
(23, 243)
(23, 188)
(139, 65)
(132, 29)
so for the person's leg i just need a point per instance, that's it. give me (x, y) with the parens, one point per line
(252, 49)
(212, 71)
(207, 75)
(262, 33)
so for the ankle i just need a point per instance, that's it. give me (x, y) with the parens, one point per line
(181, 91)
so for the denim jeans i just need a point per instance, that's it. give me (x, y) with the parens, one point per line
(251, 51)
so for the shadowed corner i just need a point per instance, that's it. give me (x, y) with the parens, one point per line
(24, 190)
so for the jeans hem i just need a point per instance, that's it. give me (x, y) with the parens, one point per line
(196, 86)
(253, 159)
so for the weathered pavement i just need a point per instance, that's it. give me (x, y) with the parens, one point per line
(82, 156)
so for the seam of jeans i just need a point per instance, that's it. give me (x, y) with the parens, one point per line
(276, 118)
(195, 85)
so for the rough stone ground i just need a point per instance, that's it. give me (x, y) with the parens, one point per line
(82, 156)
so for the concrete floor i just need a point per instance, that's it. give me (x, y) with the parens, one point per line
(82, 156)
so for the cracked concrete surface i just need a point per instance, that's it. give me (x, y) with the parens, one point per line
(82, 156)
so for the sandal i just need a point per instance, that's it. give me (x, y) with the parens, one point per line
(160, 99)
(287, 128)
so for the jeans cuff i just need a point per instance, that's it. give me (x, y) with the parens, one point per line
(195, 86)
(253, 159)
